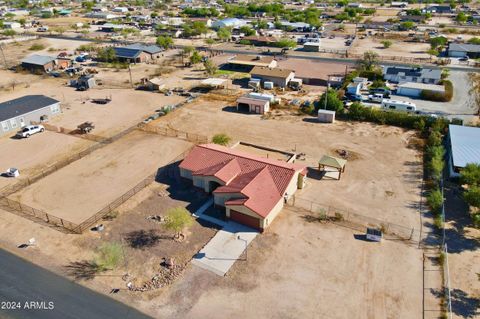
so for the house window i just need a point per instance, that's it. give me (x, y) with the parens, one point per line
(5, 126)
(13, 123)
(54, 108)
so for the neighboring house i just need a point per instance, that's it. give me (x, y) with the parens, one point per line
(398, 4)
(229, 23)
(464, 148)
(248, 104)
(460, 50)
(247, 62)
(438, 9)
(138, 53)
(404, 74)
(251, 188)
(413, 89)
(279, 77)
(39, 63)
(261, 40)
(296, 26)
(17, 113)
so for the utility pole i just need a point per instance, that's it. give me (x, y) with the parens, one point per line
(130, 72)
(3, 55)
(326, 92)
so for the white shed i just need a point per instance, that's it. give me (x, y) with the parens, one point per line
(326, 116)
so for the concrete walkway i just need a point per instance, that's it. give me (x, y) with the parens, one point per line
(226, 247)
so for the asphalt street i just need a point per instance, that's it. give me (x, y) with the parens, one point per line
(40, 294)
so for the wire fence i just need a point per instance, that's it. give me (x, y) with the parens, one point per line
(170, 132)
(44, 172)
(169, 170)
(36, 214)
(355, 220)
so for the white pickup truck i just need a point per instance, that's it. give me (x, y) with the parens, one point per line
(29, 130)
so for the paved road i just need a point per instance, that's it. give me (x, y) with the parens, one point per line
(21, 282)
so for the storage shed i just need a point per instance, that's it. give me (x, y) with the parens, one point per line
(253, 105)
(413, 89)
(326, 116)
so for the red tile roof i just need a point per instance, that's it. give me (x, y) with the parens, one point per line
(261, 182)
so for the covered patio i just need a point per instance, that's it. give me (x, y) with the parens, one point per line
(337, 164)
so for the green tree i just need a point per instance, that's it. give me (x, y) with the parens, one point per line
(474, 40)
(195, 57)
(461, 17)
(106, 54)
(199, 27)
(221, 139)
(210, 67)
(437, 42)
(286, 43)
(247, 30)
(472, 196)
(386, 43)
(407, 25)
(333, 102)
(224, 34)
(369, 62)
(164, 42)
(177, 220)
(470, 175)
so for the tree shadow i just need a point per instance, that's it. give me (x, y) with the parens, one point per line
(141, 239)
(462, 304)
(84, 269)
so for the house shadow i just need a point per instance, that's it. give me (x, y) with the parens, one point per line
(242, 82)
(312, 120)
(232, 109)
(179, 188)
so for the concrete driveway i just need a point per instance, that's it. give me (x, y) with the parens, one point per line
(225, 248)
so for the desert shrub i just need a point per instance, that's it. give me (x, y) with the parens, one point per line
(338, 217)
(476, 220)
(472, 196)
(109, 256)
(470, 175)
(36, 47)
(437, 96)
(435, 200)
(221, 139)
(244, 42)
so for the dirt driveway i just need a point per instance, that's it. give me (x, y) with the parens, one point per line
(82, 188)
(305, 270)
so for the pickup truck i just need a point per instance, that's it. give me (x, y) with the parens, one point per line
(377, 97)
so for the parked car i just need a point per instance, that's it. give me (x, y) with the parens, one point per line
(377, 97)
(386, 92)
(42, 29)
(463, 59)
(29, 130)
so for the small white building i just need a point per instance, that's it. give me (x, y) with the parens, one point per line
(11, 25)
(413, 89)
(252, 105)
(326, 116)
(312, 47)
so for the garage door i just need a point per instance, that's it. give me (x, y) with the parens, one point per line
(245, 219)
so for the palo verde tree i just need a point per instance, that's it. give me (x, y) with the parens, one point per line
(177, 220)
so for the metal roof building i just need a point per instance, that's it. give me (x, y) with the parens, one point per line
(37, 59)
(464, 147)
(23, 105)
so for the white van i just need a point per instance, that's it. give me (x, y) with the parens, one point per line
(402, 106)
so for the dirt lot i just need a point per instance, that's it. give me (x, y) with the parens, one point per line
(398, 48)
(84, 187)
(35, 153)
(382, 169)
(128, 107)
(297, 269)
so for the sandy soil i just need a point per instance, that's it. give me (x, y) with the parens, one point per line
(128, 107)
(383, 169)
(84, 187)
(297, 269)
(37, 152)
(398, 48)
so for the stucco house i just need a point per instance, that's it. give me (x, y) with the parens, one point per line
(252, 189)
(249, 104)
(19, 112)
(460, 50)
